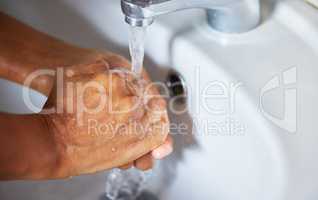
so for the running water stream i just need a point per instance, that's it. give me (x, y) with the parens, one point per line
(137, 48)
(127, 184)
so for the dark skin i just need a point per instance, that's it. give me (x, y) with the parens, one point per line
(42, 146)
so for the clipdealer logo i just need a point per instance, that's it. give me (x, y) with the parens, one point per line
(287, 82)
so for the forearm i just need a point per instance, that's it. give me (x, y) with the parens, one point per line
(24, 50)
(28, 150)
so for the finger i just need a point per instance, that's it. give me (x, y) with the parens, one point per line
(127, 166)
(98, 66)
(164, 150)
(115, 61)
(128, 109)
(145, 162)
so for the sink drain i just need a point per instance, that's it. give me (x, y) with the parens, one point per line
(177, 87)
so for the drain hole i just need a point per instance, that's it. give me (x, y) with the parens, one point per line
(177, 87)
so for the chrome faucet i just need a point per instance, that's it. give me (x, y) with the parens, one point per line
(231, 16)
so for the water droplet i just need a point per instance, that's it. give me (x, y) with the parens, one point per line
(70, 73)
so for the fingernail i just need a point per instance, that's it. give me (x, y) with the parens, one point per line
(161, 153)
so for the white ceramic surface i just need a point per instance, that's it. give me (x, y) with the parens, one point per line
(269, 160)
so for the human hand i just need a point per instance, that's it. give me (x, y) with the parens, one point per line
(78, 125)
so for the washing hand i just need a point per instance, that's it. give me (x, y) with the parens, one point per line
(77, 132)
(104, 123)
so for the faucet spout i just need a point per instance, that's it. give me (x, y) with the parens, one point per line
(224, 15)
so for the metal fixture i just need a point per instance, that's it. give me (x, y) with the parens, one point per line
(232, 16)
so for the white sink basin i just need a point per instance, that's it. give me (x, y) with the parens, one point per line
(264, 84)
